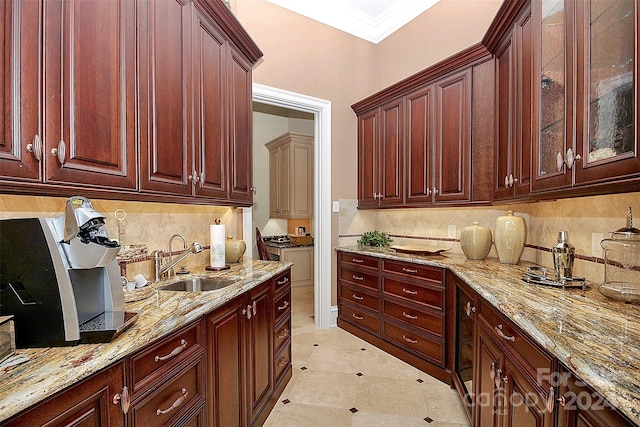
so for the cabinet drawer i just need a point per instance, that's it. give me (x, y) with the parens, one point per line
(358, 295)
(349, 275)
(414, 342)
(430, 296)
(429, 322)
(282, 306)
(417, 271)
(359, 318)
(281, 334)
(282, 362)
(168, 352)
(359, 260)
(512, 338)
(282, 281)
(173, 398)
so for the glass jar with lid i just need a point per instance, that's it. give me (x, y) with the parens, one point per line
(622, 264)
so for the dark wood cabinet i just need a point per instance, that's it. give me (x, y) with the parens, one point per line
(240, 358)
(513, 111)
(20, 130)
(381, 161)
(578, 405)
(89, 403)
(585, 122)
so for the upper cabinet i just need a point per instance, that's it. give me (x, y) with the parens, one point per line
(418, 139)
(585, 95)
(291, 176)
(138, 100)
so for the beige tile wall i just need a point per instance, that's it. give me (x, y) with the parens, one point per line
(151, 224)
(586, 219)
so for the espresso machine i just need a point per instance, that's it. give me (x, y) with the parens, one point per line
(60, 280)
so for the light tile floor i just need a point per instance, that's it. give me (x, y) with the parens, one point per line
(340, 380)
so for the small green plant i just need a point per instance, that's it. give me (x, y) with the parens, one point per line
(375, 238)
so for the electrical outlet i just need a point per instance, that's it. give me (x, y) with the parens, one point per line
(451, 233)
(596, 249)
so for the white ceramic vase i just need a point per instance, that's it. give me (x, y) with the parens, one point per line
(510, 237)
(476, 241)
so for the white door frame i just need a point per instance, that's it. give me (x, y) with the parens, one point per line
(321, 109)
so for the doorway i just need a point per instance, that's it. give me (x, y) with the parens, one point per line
(321, 111)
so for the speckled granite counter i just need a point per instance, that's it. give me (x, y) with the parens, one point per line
(599, 339)
(49, 370)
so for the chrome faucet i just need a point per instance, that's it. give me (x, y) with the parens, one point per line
(160, 269)
(184, 246)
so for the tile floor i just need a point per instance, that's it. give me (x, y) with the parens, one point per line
(340, 380)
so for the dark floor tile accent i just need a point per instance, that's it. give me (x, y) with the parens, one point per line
(359, 374)
(286, 401)
(316, 345)
(304, 368)
(420, 380)
(429, 420)
(363, 349)
(353, 410)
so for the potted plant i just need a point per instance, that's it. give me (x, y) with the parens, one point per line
(375, 238)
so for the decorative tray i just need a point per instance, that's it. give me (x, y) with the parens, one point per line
(419, 249)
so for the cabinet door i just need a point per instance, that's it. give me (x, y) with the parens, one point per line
(505, 109)
(368, 159)
(20, 74)
(463, 375)
(301, 180)
(89, 403)
(279, 183)
(391, 161)
(240, 133)
(607, 67)
(419, 146)
(522, 159)
(488, 398)
(259, 336)
(302, 259)
(89, 92)
(225, 360)
(210, 125)
(453, 138)
(525, 406)
(553, 109)
(164, 62)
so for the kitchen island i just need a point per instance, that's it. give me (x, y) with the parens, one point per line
(34, 374)
(597, 338)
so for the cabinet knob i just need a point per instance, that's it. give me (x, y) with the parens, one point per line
(506, 181)
(470, 309)
(559, 161)
(60, 152)
(435, 191)
(35, 148)
(428, 191)
(253, 190)
(572, 158)
(123, 398)
(201, 180)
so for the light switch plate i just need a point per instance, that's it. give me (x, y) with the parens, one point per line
(336, 206)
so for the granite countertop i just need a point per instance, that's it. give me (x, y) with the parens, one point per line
(45, 371)
(597, 338)
(286, 245)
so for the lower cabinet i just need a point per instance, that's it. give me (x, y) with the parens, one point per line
(240, 358)
(89, 403)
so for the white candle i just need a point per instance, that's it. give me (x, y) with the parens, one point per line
(217, 242)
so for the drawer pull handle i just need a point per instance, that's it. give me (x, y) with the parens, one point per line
(409, 340)
(551, 400)
(283, 281)
(357, 277)
(357, 316)
(409, 270)
(409, 316)
(176, 351)
(175, 404)
(358, 297)
(254, 308)
(285, 334)
(409, 291)
(492, 372)
(283, 362)
(470, 309)
(501, 334)
(283, 306)
(358, 260)
(124, 398)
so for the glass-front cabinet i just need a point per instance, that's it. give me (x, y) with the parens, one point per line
(585, 92)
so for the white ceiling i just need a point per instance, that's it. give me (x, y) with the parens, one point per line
(371, 20)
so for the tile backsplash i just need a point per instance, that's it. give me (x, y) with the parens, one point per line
(146, 223)
(586, 219)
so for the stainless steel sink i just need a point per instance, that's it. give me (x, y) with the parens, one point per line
(198, 284)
